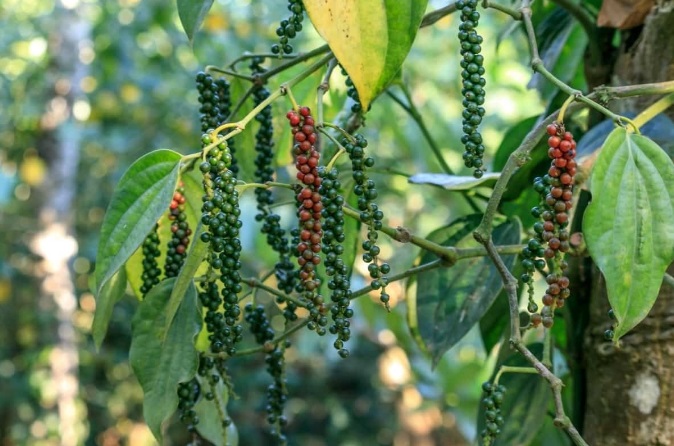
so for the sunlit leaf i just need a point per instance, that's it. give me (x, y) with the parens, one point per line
(160, 364)
(209, 413)
(455, 182)
(370, 39)
(629, 225)
(141, 197)
(192, 14)
(525, 402)
(112, 291)
(450, 301)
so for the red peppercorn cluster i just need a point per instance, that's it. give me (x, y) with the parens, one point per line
(309, 213)
(552, 239)
(562, 151)
(309, 200)
(180, 233)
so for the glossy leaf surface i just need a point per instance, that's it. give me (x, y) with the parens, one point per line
(629, 224)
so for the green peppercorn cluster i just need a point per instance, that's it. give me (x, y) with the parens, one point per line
(309, 213)
(473, 85)
(276, 393)
(216, 103)
(220, 216)
(188, 396)
(271, 226)
(335, 268)
(151, 252)
(180, 234)
(370, 214)
(551, 238)
(492, 401)
(288, 29)
(351, 92)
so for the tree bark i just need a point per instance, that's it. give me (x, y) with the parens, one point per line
(630, 390)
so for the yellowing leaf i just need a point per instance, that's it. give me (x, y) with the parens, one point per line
(370, 39)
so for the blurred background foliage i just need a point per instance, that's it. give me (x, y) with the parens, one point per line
(137, 95)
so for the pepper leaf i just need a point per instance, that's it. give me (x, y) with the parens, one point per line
(140, 199)
(370, 39)
(629, 225)
(161, 364)
(192, 14)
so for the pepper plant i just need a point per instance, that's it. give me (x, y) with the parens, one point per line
(172, 230)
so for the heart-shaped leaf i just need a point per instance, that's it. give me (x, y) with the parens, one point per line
(160, 364)
(451, 301)
(370, 39)
(192, 14)
(141, 197)
(629, 225)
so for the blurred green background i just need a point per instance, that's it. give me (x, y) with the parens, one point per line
(86, 87)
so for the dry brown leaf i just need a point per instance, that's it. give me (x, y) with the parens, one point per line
(624, 14)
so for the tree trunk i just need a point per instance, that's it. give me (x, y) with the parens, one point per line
(630, 390)
(59, 145)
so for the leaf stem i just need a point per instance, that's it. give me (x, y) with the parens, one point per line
(513, 369)
(292, 62)
(246, 56)
(515, 14)
(653, 110)
(214, 69)
(257, 283)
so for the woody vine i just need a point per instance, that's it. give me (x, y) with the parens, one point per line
(172, 230)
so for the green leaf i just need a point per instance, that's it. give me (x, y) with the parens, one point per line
(209, 414)
(140, 199)
(455, 182)
(629, 225)
(526, 400)
(370, 39)
(184, 280)
(511, 141)
(495, 321)
(451, 301)
(192, 14)
(161, 364)
(111, 293)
